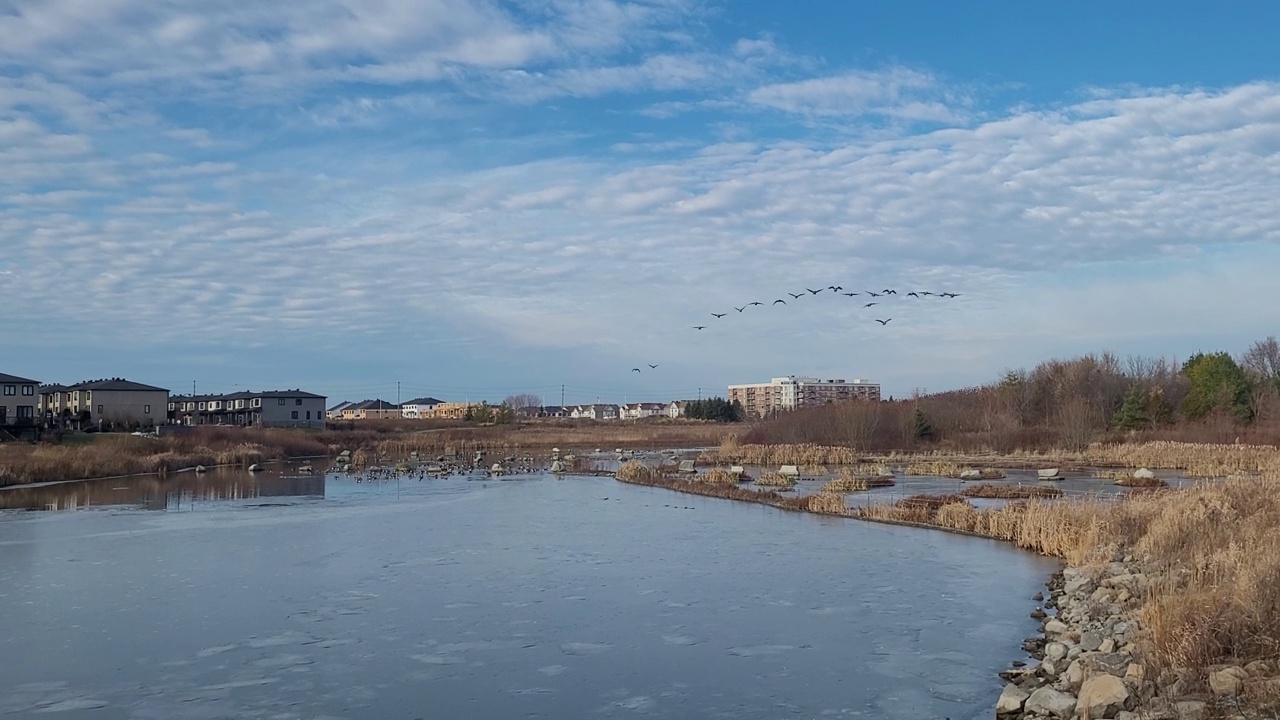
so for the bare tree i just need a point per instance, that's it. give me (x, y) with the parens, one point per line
(520, 401)
(860, 421)
(1262, 361)
(1077, 422)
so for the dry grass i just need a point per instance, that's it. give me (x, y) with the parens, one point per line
(827, 503)
(936, 468)
(773, 479)
(1011, 492)
(852, 483)
(814, 470)
(716, 476)
(730, 451)
(637, 472)
(1140, 482)
(867, 470)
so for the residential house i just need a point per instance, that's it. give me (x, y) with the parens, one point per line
(272, 408)
(111, 401)
(18, 400)
(371, 410)
(335, 412)
(452, 410)
(420, 408)
(544, 411)
(636, 411)
(676, 408)
(597, 412)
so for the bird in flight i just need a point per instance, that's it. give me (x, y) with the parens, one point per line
(890, 292)
(652, 366)
(950, 295)
(815, 292)
(870, 304)
(795, 296)
(718, 315)
(884, 322)
(779, 300)
(834, 288)
(851, 294)
(740, 309)
(635, 369)
(873, 294)
(755, 303)
(699, 327)
(914, 295)
(925, 292)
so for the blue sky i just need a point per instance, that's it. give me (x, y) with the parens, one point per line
(474, 198)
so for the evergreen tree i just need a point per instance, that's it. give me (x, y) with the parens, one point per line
(921, 428)
(1217, 383)
(1133, 413)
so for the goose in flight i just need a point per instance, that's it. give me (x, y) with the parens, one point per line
(870, 304)
(834, 288)
(652, 367)
(755, 303)
(850, 294)
(890, 292)
(815, 292)
(914, 295)
(740, 309)
(874, 294)
(635, 369)
(775, 302)
(718, 315)
(883, 322)
(699, 327)
(950, 295)
(795, 296)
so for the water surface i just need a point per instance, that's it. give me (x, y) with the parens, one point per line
(534, 597)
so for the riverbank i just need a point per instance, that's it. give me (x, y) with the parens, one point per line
(1166, 607)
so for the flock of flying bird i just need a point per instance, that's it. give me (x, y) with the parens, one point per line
(835, 289)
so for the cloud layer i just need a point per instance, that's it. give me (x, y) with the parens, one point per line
(596, 177)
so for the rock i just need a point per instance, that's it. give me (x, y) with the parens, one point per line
(1055, 627)
(1078, 585)
(971, 474)
(1090, 641)
(255, 467)
(1011, 700)
(1055, 651)
(1047, 701)
(1107, 646)
(1126, 715)
(1228, 680)
(1144, 474)
(1191, 710)
(200, 468)
(1074, 674)
(1107, 663)
(1135, 675)
(1038, 597)
(1049, 667)
(1038, 614)
(1102, 696)
(1257, 667)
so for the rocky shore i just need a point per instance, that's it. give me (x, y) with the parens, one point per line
(1088, 665)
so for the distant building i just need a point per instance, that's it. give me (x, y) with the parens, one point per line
(96, 402)
(596, 412)
(636, 411)
(19, 400)
(272, 408)
(792, 392)
(371, 410)
(335, 412)
(676, 408)
(453, 410)
(420, 408)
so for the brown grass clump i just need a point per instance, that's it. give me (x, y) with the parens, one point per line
(803, 454)
(813, 470)
(868, 471)
(773, 479)
(987, 490)
(827, 504)
(636, 472)
(991, 474)
(935, 468)
(1140, 482)
(845, 485)
(716, 476)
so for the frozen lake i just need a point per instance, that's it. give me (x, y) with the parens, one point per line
(534, 598)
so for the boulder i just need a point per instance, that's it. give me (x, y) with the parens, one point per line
(1055, 627)
(1144, 474)
(1106, 663)
(971, 474)
(1055, 651)
(1228, 680)
(1074, 674)
(1135, 674)
(1078, 584)
(1047, 701)
(1102, 696)
(1010, 702)
(1257, 667)
(1090, 641)
(1107, 646)
(1191, 710)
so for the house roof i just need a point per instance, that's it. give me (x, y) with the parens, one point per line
(341, 406)
(17, 380)
(115, 384)
(51, 388)
(373, 405)
(423, 401)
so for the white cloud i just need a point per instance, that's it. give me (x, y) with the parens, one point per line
(896, 92)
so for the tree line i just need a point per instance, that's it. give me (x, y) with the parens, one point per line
(1210, 397)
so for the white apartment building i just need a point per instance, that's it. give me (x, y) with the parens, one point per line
(792, 392)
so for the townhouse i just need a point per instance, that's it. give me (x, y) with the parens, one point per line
(19, 400)
(272, 408)
(112, 401)
(636, 411)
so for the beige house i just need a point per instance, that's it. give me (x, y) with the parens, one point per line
(102, 402)
(371, 410)
(451, 410)
(19, 400)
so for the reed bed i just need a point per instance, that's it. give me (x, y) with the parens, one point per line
(935, 468)
(716, 476)
(867, 470)
(814, 470)
(1010, 492)
(1131, 481)
(855, 483)
(801, 455)
(773, 479)
(638, 472)
(826, 503)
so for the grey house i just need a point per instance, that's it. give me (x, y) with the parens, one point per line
(19, 398)
(273, 408)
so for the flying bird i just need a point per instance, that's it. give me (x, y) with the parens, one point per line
(699, 327)
(890, 292)
(851, 294)
(925, 292)
(652, 366)
(834, 288)
(718, 315)
(873, 294)
(795, 296)
(740, 309)
(815, 292)
(950, 295)
(914, 295)
(884, 322)
(775, 302)
(755, 303)
(870, 304)
(635, 369)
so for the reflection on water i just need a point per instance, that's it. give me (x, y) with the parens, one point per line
(178, 492)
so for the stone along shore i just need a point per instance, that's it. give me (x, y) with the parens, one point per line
(1088, 666)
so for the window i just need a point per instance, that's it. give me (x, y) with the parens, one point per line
(295, 414)
(10, 389)
(298, 401)
(99, 409)
(308, 414)
(281, 401)
(257, 402)
(202, 406)
(26, 412)
(28, 390)
(146, 409)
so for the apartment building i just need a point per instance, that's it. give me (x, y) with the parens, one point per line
(271, 408)
(98, 402)
(792, 392)
(19, 400)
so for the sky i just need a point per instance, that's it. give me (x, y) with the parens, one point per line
(472, 198)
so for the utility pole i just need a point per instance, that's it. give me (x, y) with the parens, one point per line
(397, 393)
(699, 393)
(193, 387)
(562, 395)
